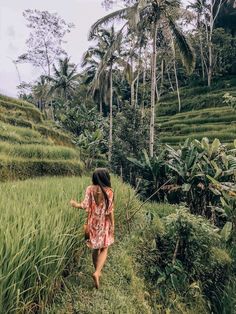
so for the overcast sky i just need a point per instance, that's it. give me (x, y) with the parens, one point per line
(13, 34)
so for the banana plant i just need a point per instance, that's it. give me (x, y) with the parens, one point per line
(152, 172)
(227, 192)
(193, 164)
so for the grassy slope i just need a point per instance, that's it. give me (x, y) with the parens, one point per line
(203, 114)
(30, 145)
(35, 264)
(122, 290)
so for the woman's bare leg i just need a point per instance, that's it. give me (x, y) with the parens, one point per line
(95, 255)
(100, 263)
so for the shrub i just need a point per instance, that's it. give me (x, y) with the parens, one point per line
(183, 259)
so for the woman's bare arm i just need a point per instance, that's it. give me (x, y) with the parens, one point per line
(75, 204)
(112, 219)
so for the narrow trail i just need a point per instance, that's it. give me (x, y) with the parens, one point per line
(121, 291)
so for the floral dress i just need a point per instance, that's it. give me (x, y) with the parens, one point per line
(100, 233)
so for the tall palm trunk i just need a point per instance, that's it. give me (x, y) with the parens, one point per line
(111, 118)
(132, 91)
(143, 91)
(153, 92)
(176, 76)
(100, 103)
(210, 67)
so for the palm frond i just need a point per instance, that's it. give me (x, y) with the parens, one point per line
(185, 49)
(119, 14)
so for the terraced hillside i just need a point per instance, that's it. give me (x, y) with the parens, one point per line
(30, 145)
(203, 114)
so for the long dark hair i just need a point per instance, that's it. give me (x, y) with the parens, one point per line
(102, 178)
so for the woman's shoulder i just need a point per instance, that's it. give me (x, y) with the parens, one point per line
(109, 191)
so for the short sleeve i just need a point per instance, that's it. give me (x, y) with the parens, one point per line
(111, 202)
(86, 203)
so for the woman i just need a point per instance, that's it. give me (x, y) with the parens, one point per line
(98, 203)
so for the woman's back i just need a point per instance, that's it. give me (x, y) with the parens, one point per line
(97, 194)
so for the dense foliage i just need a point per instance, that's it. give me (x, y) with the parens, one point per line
(185, 264)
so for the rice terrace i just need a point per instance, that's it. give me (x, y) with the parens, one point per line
(118, 157)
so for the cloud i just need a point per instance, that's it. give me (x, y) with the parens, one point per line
(12, 49)
(11, 31)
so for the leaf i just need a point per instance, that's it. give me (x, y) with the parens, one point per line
(215, 191)
(194, 285)
(161, 279)
(212, 180)
(136, 162)
(186, 187)
(226, 231)
(215, 145)
(147, 159)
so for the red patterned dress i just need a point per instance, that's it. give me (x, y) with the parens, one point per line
(100, 232)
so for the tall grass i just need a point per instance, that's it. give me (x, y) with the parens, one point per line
(16, 101)
(23, 168)
(39, 234)
(31, 112)
(38, 151)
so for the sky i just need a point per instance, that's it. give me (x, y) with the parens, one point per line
(13, 34)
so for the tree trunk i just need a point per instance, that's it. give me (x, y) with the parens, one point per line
(136, 94)
(209, 75)
(177, 86)
(100, 103)
(132, 93)
(176, 76)
(202, 58)
(169, 78)
(143, 93)
(111, 118)
(153, 92)
(162, 73)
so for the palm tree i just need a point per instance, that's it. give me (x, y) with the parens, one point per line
(41, 93)
(64, 80)
(198, 7)
(91, 60)
(109, 42)
(151, 13)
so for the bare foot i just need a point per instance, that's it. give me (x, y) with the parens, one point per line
(96, 280)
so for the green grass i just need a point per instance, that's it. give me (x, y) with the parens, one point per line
(32, 146)
(23, 168)
(40, 233)
(122, 290)
(198, 97)
(38, 151)
(17, 101)
(203, 115)
(31, 112)
(122, 287)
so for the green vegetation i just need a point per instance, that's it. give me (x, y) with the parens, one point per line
(145, 273)
(149, 83)
(205, 115)
(40, 234)
(32, 146)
